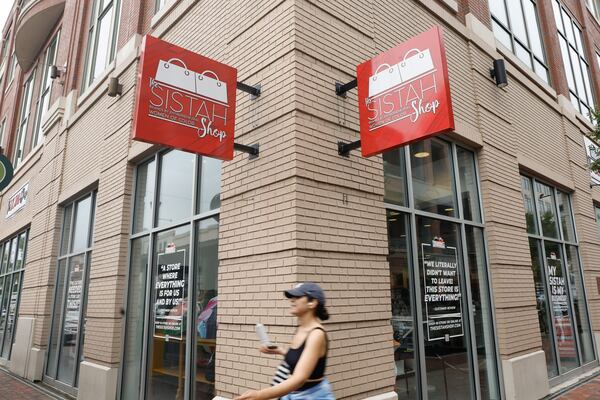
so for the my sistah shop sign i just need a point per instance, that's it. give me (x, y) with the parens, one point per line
(184, 100)
(404, 94)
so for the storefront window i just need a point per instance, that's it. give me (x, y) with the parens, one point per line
(172, 293)
(12, 263)
(560, 294)
(441, 300)
(68, 326)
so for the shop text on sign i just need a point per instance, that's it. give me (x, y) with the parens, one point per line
(404, 94)
(185, 100)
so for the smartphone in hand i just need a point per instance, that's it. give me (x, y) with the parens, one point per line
(261, 331)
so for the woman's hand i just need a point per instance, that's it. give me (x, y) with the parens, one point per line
(276, 350)
(249, 395)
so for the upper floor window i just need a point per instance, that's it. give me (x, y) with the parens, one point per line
(160, 4)
(597, 208)
(11, 69)
(5, 42)
(44, 94)
(2, 129)
(516, 26)
(594, 6)
(102, 39)
(577, 68)
(23, 120)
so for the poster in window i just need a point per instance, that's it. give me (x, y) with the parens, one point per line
(560, 308)
(73, 304)
(170, 290)
(442, 291)
(593, 153)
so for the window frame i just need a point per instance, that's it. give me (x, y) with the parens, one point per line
(563, 245)
(582, 60)
(23, 121)
(514, 40)
(114, 8)
(44, 92)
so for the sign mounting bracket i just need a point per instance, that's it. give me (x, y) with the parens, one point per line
(344, 148)
(255, 90)
(342, 88)
(252, 150)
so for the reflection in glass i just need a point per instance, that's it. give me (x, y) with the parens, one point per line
(543, 307)
(56, 318)
(175, 192)
(144, 196)
(561, 313)
(433, 182)
(134, 331)
(2, 309)
(66, 230)
(566, 220)
(166, 372)
(529, 205)
(68, 356)
(394, 171)
(582, 318)
(13, 255)
(5, 255)
(11, 319)
(468, 184)
(446, 344)
(81, 227)
(207, 264)
(402, 305)
(598, 218)
(482, 314)
(547, 209)
(209, 194)
(20, 252)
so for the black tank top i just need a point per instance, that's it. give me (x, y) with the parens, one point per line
(293, 356)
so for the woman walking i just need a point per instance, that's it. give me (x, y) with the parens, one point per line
(301, 375)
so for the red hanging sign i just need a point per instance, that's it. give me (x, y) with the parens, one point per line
(184, 100)
(404, 94)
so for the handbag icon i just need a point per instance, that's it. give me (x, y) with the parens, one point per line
(411, 67)
(199, 83)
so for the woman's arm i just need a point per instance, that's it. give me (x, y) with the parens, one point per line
(306, 365)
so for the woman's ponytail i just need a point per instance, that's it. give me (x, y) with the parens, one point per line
(321, 312)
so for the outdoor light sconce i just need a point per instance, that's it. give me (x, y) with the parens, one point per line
(498, 73)
(114, 87)
(56, 71)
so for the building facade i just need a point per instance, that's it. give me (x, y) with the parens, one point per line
(505, 204)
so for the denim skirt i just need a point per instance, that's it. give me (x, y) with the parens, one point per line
(320, 392)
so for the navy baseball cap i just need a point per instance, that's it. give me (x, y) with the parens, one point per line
(308, 289)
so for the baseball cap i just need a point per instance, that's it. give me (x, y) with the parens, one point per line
(309, 289)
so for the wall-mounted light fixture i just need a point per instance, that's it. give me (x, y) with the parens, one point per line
(114, 87)
(498, 73)
(56, 71)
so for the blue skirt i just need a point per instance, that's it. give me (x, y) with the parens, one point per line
(320, 392)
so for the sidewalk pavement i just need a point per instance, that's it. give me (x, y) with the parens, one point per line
(12, 388)
(589, 390)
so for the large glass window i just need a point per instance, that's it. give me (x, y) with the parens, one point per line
(559, 290)
(173, 279)
(516, 26)
(12, 264)
(441, 301)
(597, 209)
(68, 322)
(44, 95)
(24, 112)
(102, 38)
(575, 61)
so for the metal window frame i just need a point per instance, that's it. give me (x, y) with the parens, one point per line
(508, 29)
(192, 221)
(562, 244)
(410, 214)
(24, 112)
(37, 127)
(66, 257)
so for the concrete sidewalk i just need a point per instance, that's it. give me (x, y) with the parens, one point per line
(12, 388)
(589, 390)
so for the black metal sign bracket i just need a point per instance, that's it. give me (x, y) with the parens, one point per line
(342, 88)
(255, 90)
(252, 150)
(344, 149)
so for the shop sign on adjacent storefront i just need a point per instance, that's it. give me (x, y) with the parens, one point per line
(170, 293)
(17, 201)
(404, 94)
(184, 100)
(6, 172)
(442, 292)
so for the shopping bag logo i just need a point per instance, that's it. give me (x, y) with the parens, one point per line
(387, 77)
(174, 72)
